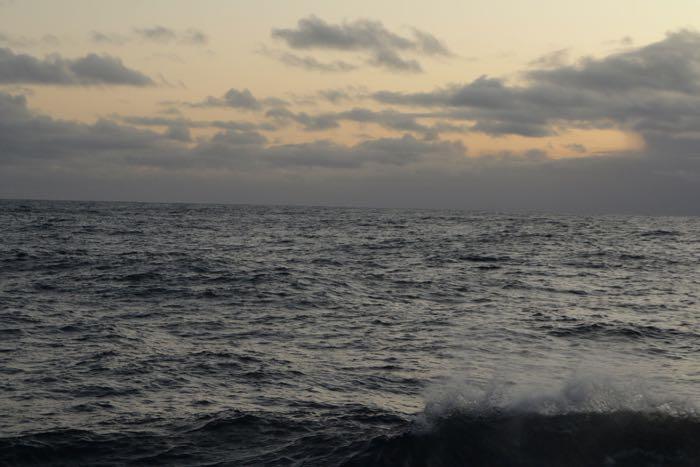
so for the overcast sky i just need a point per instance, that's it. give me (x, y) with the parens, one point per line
(495, 105)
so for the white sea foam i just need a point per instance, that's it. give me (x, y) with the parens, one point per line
(581, 393)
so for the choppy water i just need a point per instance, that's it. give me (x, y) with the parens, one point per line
(232, 335)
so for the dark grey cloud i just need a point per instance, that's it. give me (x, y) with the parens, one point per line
(90, 70)
(553, 59)
(275, 102)
(546, 103)
(28, 137)
(309, 122)
(14, 41)
(234, 98)
(157, 34)
(670, 65)
(194, 37)
(184, 122)
(576, 147)
(106, 160)
(312, 64)
(336, 96)
(118, 158)
(363, 34)
(241, 99)
(234, 139)
(393, 61)
(108, 38)
(392, 152)
(429, 44)
(625, 41)
(179, 131)
(381, 47)
(388, 119)
(652, 88)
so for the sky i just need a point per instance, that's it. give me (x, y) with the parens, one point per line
(567, 106)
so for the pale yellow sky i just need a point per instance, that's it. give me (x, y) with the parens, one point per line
(494, 37)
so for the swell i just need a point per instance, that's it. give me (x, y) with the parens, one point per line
(226, 438)
(632, 331)
(230, 437)
(494, 438)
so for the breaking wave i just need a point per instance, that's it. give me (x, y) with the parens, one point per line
(583, 423)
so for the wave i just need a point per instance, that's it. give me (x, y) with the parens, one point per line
(500, 438)
(583, 423)
(226, 438)
(660, 233)
(586, 330)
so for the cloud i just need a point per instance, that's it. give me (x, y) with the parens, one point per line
(430, 45)
(576, 147)
(391, 60)
(157, 159)
(156, 34)
(179, 131)
(552, 59)
(194, 37)
(393, 152)
(183, 122)
(239, 99)
(107, 38)
(388, 119)
(234, 98)
(310, 63)
(310, 122)
(363, 34)
(15, 41)
(104, 160)
(30, 138)
(670, 65)
(652, 88)
(47, 40)
(89, 70)
(165, 35)
(381, 47)
(335, 96)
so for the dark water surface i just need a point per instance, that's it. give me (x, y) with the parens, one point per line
(232, 335)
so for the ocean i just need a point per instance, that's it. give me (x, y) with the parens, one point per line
(182, 335)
